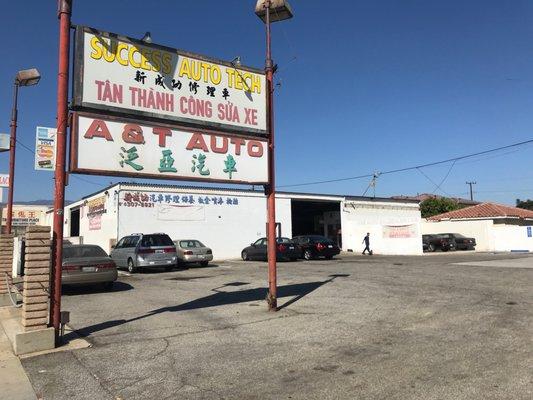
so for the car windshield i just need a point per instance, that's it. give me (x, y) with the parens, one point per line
(83, 251)
(457, 235)
(283, 240)
(190, 244)
(156, 240)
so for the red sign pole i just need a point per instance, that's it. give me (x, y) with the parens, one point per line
(271, 188)
(64, 13)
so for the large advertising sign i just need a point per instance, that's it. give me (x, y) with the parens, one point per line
(127, 147)
(45, 148)
(126, 76)
(23, 216)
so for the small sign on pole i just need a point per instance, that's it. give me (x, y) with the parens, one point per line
(529, 231)
(45, 148)
(4, 180)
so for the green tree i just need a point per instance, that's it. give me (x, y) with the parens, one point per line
(526, 204)
(435, 206)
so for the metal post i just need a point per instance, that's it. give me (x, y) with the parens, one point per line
(12, 148)
(271, 188)
(64, 12)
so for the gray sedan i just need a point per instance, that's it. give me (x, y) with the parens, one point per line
(87, 264)
(193, 251)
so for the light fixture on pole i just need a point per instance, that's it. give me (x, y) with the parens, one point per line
(236, 62)
(279, 10)
(26, 77)
(147, 38)
(271, 11)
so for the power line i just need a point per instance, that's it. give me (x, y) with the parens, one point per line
(445, 177)
(433, 182)
(394, 171)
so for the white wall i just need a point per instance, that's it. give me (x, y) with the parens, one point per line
(481, 230)
(379, 218)
(107, 229)
(226, 228)
(511, 237)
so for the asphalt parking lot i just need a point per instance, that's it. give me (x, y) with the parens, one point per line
(441, 326)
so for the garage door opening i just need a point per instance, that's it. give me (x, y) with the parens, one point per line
(75, 222)
(312, 217)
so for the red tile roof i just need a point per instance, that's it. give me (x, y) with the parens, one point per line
(485, 210)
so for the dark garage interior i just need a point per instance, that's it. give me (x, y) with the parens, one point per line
(316, 218)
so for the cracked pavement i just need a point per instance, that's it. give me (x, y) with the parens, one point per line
(356, 327)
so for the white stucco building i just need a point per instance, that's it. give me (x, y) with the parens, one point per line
(228, 220)
(495, 227)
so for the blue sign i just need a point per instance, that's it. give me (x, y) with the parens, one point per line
(529, 231)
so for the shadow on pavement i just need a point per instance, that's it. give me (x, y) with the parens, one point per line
(181, 267)
(220, 298)
(75, 290)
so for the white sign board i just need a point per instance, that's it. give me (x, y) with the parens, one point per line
(4, 142)
(127, 76)
(45, 148)
(130, 148)
(4, 180)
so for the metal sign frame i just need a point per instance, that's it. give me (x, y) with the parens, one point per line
(73, 163)
(79, 105)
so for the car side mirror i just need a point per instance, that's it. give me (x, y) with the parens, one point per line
(252, 244)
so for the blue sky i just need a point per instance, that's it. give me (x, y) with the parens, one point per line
(378, 85)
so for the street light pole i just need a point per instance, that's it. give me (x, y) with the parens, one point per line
(271, 188)
(12, 147)
(25, 77)
(280, 10)
(64, 13)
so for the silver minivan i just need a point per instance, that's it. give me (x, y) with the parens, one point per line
(138, 250)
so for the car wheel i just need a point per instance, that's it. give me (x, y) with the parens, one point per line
(245, 256)
(131, 266)
(204, 263)
(308, 255)
(445, 248)
(431, 248)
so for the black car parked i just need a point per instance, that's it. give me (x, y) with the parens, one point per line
(425, 242)
(315, 246)
(438, 242)
(461, 242)
(286, 250)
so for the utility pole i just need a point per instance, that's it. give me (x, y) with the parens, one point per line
(471, 192)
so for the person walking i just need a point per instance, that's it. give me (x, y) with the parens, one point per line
(366, 241)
